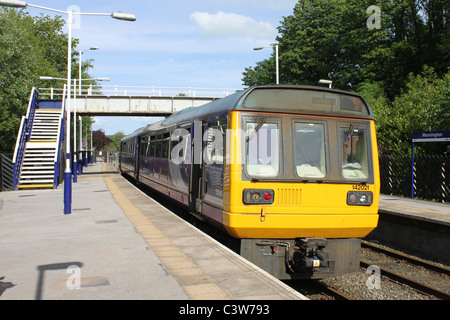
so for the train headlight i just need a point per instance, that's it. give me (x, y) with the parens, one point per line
(258, 196)
(359, 198)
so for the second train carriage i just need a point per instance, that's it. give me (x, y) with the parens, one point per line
(292, 171)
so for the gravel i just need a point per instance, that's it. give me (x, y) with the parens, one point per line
(371, 285)
(363, 286)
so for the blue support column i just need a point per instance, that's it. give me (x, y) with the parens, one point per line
(75, 167)
(67, 188)
(80, 165)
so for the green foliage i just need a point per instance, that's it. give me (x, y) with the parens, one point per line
(401, 68)
(424, 105)
(30, 47)
(115, 141)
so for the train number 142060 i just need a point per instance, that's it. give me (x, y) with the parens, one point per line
(360, 187)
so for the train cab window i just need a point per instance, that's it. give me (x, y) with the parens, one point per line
(262, 148)
(309, 150)
(354, 153)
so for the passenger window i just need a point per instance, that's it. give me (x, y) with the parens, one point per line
(151, 146)
(354, 153)
(158, 151)
(166, 145)
(309, 150)
(215, 138)
(144, 146)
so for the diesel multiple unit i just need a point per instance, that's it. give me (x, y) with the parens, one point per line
(291, 171)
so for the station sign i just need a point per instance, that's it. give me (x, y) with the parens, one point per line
(431, 136)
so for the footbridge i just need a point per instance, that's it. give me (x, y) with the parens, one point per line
(138, 100)
(37, 160)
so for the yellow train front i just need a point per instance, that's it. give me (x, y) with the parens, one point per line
(292, 171)
(301, 182)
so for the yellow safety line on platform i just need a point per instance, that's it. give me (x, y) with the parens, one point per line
(185, 272)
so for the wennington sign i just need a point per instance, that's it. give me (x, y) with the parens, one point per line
(431, 136)
(425, 136)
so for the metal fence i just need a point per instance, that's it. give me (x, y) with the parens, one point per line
(6, 172)
(115, 90)
(430, 179)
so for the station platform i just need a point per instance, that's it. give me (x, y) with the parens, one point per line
(420, 227)
(423, 210)
(117, 244)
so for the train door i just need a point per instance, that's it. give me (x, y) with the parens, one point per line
(196, 172)
(137, 158)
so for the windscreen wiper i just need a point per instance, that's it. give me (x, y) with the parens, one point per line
(259, 125)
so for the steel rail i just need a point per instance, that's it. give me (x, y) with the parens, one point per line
(413, 284)
(407, 258)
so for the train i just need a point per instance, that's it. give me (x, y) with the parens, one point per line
(290, 171)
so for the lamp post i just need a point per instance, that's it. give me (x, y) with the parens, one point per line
(79, 165)
(115, 15)
(276, 59)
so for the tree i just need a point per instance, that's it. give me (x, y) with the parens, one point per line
(100, 140)
(30, 47)
(423, 106)
(401, 68)
(330, 39)
(115, 140)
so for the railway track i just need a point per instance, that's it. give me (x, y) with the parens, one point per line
(423, 276)
(345, 287)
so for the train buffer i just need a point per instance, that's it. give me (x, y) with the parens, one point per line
(117, 244)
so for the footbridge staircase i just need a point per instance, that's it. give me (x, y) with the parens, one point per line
(39, 145)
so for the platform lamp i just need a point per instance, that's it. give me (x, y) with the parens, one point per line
(115, 15)
(84, 153)
(78, 165)
(273, 45)
(328, 82)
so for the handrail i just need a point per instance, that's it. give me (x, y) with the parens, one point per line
(18, 141)
(57, 158)
(61, 116)
(115, 90)
(24, 134)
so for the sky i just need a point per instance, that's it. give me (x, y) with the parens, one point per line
(172, 43)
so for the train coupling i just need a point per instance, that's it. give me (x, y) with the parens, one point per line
(309, 254)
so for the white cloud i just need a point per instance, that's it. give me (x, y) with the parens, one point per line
(225, 25)
(273, 4)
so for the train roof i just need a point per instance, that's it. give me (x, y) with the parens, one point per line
(293, 99)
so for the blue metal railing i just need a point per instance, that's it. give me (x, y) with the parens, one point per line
(24, 135)
(62, 121)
